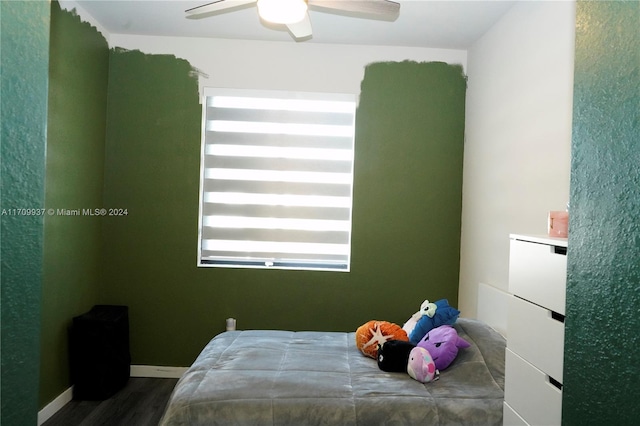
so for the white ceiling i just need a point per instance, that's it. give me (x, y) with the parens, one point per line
(450, 24)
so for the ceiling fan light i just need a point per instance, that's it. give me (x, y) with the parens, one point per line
(282, 11)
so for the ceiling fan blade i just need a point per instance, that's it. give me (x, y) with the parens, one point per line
(301, 30)
(375, 8)
(216, 6)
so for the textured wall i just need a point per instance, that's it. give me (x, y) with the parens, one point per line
(406, 224)
(603, 294)
(25, 55)
(79, 65)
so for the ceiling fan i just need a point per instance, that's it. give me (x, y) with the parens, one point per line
(294, 13)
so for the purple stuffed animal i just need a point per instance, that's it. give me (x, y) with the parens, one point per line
(443, 343)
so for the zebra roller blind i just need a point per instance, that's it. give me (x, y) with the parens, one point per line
(276, 179)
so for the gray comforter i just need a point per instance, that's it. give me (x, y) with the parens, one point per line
(306, 378)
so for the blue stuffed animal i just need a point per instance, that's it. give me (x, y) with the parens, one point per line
(444, 315)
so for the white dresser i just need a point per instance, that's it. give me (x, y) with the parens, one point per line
(535, 330)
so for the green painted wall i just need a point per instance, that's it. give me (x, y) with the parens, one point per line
(25, 56)
(603, 289)
(406, 218)
(78, 76)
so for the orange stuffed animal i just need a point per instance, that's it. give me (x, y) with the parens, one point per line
(374, 333)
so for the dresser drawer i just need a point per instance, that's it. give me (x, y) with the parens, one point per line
(529, 392)
(510, 417)
(537, 335)
(538, 272)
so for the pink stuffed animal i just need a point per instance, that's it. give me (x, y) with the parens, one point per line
(421, 366)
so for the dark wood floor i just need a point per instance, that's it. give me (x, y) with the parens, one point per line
(140, 403)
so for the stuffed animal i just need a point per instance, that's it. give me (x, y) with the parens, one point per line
(443, 343)
(444, 315)
(374, 333)
(426, 308)
(393, 355)
(421, 366)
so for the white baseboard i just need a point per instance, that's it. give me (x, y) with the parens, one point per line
(136, 371)
(51, 408)
(157, 371)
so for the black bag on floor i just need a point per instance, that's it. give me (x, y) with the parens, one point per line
(100, 361)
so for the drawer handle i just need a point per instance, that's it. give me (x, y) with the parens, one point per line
(555, 383)
(559, 250)
(556, 316)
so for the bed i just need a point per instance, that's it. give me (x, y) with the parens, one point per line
(269, 377)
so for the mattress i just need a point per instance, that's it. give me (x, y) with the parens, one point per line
(274, 377)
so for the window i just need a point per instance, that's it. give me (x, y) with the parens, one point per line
(276, 180)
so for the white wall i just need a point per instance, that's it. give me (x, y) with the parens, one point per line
(299, 66)
(310, 67)
(517, 138)
(71, 6)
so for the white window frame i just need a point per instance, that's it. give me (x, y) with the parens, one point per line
(293, 211)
